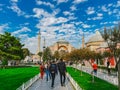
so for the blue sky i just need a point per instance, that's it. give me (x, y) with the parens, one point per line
(57, 19)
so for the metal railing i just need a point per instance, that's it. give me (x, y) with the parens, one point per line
(27, 84)
(74, 83)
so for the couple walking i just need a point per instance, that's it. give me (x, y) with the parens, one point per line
(54, 68)
(52, 71)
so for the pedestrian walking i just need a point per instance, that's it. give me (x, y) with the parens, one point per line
(108, 67)
(47, 71)
(53, 71)
(42, 68)
(95, 66)
(62, 71)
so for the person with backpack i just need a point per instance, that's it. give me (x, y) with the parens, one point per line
(53, 71)
(62, 71)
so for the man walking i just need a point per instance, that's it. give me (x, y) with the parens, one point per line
(53, 71)
(62, 71)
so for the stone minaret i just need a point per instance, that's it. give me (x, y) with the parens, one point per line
(44, 44)
(39, 38)
(83, 42)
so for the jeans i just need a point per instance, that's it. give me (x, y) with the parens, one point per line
(47, 74)
(62, 78)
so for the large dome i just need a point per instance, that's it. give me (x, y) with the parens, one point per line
(96, 38)
(63, 41)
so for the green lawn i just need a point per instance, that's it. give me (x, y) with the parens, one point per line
(10, 79)
(85, 81)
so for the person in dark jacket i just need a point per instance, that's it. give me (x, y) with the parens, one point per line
(62, 71)
(53, 71)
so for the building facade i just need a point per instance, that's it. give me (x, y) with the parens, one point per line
(61, 46)
(95, 41)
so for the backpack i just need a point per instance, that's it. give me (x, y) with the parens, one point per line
(62, 67)
(53, 67)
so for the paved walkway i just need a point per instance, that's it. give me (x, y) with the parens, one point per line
(109, 78)
(46, 85)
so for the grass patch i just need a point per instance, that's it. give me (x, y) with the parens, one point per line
(85, 81)
(11, 79)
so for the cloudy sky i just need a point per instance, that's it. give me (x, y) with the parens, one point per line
(56, 19)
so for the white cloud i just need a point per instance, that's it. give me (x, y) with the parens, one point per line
(115, 10)
(39, 2)
(85, 26)
(73, 8)
(61, 1)
(79, 1)
(22, 30)
(31, 43)
(3, 28)
(1, 5)
(109, 5)
(16, 9)
(90, 10)
(67, 13)
(115, 22)
(109, 12)
(40, 12)
(97, 18)
(99, 14)
(52, 21)
(118, 4)
(104, 8)
(14, 1)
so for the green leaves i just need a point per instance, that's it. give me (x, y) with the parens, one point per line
(10, 47)
(47, 55)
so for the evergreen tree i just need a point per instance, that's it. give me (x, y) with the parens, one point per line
(10, 47)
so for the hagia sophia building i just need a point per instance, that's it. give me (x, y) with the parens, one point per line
(95, 43)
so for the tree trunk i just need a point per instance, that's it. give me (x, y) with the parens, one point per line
(81, 69)
(119, 75)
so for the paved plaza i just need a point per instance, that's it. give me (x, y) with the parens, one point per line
(46, 85)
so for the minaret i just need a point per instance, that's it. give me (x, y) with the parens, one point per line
(44, 44)
(38, 42)
(83, 42)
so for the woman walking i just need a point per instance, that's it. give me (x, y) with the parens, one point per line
(47, 65)
(42, 68)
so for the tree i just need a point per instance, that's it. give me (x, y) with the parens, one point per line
(98, 57)
(112, 37)
(40, 54)
(26, 52)
(56, 55)
(10, 47)
(47, 54)
(106, 54)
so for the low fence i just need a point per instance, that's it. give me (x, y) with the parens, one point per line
(26, 85)
(74, 83)
(101, 75)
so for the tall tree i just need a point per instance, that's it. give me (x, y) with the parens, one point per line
(98, 57)
(56, 55)
(47, 54)
(10, 47)
(112, 37)
(40, 54)
(26, 52)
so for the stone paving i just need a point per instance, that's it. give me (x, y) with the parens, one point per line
(46, 85)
